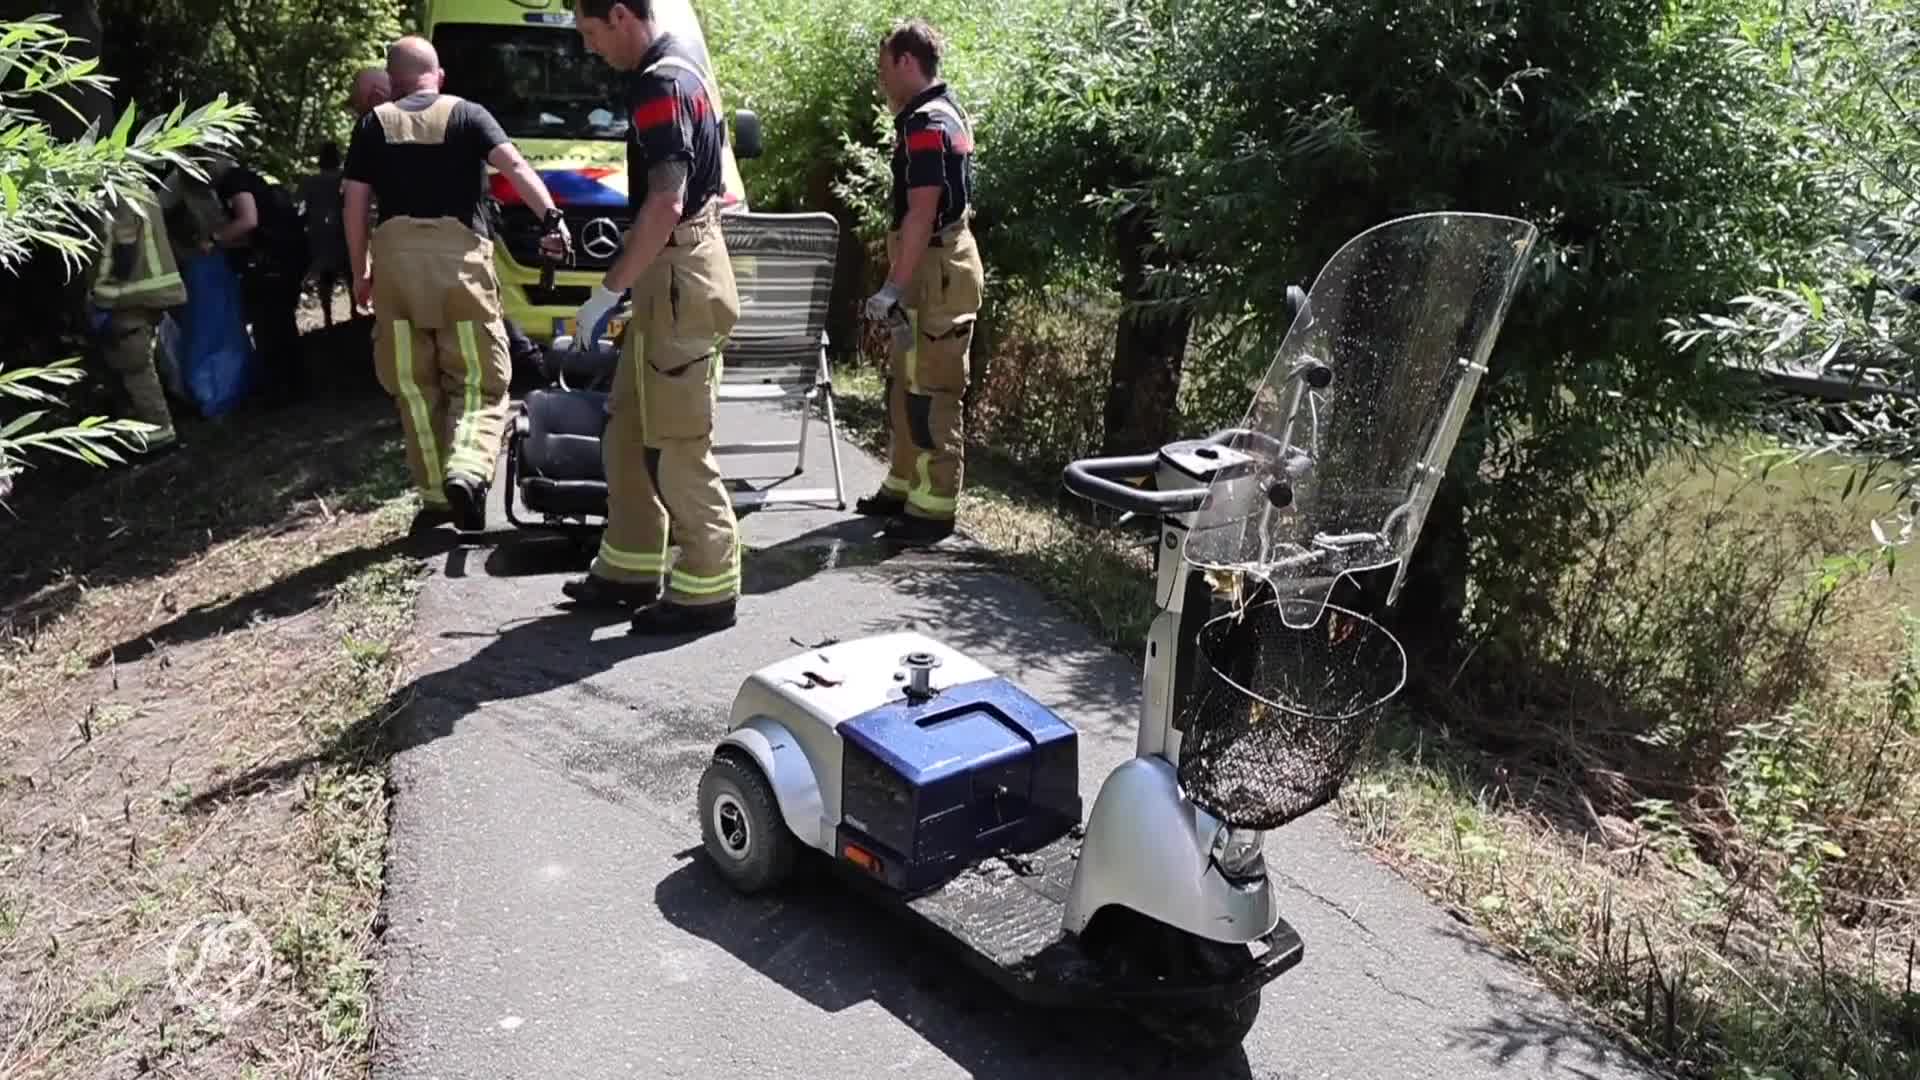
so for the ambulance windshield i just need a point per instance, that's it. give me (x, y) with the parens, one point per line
(540, 82)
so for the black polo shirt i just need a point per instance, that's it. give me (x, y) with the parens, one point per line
(279, 235)
(427, 180)
(671, 118)
(932, 148)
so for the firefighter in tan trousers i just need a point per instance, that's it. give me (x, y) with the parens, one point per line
(932, 294)
(440, 345)
(661, 472)
(136, 281)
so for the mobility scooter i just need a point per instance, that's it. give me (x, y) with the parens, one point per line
(951, 795)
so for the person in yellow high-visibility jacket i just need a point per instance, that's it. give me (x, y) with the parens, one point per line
(135, 282)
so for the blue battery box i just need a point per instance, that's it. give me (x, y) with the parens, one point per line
(929, 787)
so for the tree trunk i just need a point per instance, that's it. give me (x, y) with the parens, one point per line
(1148, 349)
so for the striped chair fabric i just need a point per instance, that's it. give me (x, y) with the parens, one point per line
(783, 265)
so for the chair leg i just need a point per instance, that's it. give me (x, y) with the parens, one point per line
(806, 415)
(833, 447)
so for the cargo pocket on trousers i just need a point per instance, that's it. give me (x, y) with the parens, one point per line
(679, 390)
(940, 365)
(697, 302)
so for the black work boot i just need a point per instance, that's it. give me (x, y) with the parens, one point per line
(598, 592)
(911, 530)
(468, 500)
(881, 505)
(670, 618)
(429, 518)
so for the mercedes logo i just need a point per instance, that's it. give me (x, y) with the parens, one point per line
(600, 238)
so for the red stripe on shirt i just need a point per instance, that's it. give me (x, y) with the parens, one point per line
(919, 141)
(659, 112)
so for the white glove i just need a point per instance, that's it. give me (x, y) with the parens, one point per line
(880, 305)
(593, 317)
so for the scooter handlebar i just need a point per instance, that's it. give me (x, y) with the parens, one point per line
(1104, 480)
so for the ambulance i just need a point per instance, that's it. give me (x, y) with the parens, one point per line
(560, 104)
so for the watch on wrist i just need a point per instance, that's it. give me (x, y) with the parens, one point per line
(551, 223)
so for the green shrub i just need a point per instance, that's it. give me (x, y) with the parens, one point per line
(291, 62)
(55, 194)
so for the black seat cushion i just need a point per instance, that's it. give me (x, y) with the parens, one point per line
(561, 471)
(565, 498)
(563, 435)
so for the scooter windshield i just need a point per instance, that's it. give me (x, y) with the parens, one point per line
(1348, 435)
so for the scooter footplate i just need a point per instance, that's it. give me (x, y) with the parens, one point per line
(1004, 917)
(1009, 908)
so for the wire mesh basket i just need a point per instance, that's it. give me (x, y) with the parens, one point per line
(1278, 714)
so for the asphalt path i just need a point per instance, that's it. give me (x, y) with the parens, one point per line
(548, 914)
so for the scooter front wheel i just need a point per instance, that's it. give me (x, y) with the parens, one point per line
(741, 826)
(1205, 1032)
(1132, 946)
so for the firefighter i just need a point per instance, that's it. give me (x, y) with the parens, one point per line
(370, 87)
(439, 347)
(136, 281)
(932, 292)
(659, 440)
(267, 247)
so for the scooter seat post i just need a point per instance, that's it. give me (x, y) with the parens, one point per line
(920, 667)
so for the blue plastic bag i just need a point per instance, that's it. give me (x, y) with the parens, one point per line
(216, 357)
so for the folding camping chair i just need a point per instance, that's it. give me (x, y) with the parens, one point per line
(783, 265)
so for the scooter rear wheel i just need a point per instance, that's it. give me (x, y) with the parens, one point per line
(741, 826)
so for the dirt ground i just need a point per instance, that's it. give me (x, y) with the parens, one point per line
(196, 656)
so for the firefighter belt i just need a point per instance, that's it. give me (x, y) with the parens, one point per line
(927, 374)
(658, 447)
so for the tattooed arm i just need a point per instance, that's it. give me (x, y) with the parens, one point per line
(666, 197)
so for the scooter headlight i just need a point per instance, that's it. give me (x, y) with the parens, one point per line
(1240, 854)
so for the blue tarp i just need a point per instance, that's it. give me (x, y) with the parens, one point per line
(216, 358)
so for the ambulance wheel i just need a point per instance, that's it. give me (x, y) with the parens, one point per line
(740, 825)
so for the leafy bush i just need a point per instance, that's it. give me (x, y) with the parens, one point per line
(1846, 77)
(1617, 127)
(1698, 806)
(1039, 404)
(1242, 144)
(55, 192)
(55, 195)
(292, 62)
(1695, 601)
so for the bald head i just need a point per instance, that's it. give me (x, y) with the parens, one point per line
(413, 65)
(370, 88)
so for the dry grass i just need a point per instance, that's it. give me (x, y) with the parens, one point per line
(237, 611)
(1694, 802)
(1043, 534)
(1707, 970)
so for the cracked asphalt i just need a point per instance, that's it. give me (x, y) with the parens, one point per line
(547, 913)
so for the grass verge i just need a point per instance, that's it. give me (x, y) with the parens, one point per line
(175, 634)
(1046, 537)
